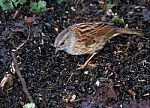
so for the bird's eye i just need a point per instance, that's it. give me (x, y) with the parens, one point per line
(62, 43)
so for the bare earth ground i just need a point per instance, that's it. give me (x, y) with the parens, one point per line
(122, 71)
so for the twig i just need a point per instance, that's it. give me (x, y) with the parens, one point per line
(24, 87)
(25, 40)
(69, 78)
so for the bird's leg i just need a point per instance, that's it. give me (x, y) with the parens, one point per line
(87, 61)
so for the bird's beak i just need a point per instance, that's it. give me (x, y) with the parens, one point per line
(56, 50)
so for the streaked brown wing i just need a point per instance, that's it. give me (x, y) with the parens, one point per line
(88, 33)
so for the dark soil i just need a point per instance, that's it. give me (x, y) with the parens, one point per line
(122, 70)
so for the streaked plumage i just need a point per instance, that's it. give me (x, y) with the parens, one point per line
(87, 38)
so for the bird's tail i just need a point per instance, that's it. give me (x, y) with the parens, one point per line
(129, 31)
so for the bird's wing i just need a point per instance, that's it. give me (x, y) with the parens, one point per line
(88, 33)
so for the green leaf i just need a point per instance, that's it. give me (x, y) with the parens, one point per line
(1, 3)
(7, 6)
(60, 1)
(33, 6)
(121, 21)
(21, 1)
(29, 105)
(16, 2)
(114, 20)
(41, 6)
(118, 21)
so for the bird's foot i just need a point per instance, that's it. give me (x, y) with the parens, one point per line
(82, 66)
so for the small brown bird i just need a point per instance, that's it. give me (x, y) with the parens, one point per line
(87, 38)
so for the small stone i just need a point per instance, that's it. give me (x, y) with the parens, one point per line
(73, 9)
(97, 83)
(86, 72)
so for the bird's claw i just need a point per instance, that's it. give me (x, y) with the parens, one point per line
(85, 65)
